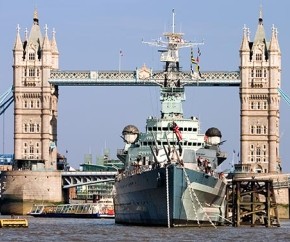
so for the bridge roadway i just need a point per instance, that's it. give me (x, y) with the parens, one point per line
(141, 77)
(80, 178)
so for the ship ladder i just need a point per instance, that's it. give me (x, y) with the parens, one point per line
(193, 194)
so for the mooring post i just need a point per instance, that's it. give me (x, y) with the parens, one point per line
(253, 200)
(238, 192)
(268, 203)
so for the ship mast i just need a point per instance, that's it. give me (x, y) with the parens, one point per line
(172, 92)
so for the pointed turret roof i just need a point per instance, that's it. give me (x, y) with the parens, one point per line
(274, 44)
(18, 43)
(46, 43)
(245, 42)
(35, 36)
(260, 33)
(53, 43)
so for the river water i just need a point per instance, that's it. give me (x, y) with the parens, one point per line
(64, 229)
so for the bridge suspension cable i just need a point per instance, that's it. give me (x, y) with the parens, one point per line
(6, 100)
(284, 95)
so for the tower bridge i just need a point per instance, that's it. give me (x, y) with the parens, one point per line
(141, 77)
(37, 76)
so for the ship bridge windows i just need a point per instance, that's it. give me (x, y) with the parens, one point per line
(165, 143)
(158, 129)
(184, 129)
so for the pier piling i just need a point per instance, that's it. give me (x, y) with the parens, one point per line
(252, 202)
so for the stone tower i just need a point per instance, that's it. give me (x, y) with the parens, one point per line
(35, 107)
(34, 178)
(260, 73)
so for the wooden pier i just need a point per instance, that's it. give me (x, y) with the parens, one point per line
(252, 202)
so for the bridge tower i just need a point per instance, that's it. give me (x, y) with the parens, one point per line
(35, 108)
(34, 177)
(260, 73)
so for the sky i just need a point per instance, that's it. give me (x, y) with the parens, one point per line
(90, 35)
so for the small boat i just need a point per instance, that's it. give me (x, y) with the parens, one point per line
(104, 208)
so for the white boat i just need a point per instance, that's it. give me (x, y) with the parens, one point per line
(104, 208)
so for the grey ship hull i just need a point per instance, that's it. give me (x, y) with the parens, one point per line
(142, 199)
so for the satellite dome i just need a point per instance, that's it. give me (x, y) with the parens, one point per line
(130, 134)
(213, 132)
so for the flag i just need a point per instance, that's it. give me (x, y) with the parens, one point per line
(198, 70)
(177, 131)
(193, 61)
(198, 55)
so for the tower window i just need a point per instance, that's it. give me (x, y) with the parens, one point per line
(252, 73)
(258, 73)
(31, 72)
(265, 130)
(252, 105)
(265, 105)
(258, 129)
(31, 56)
(252, 129)
(258, 152)
(258, 57)
(31, 128)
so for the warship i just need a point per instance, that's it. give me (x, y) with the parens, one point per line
(170, 175)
